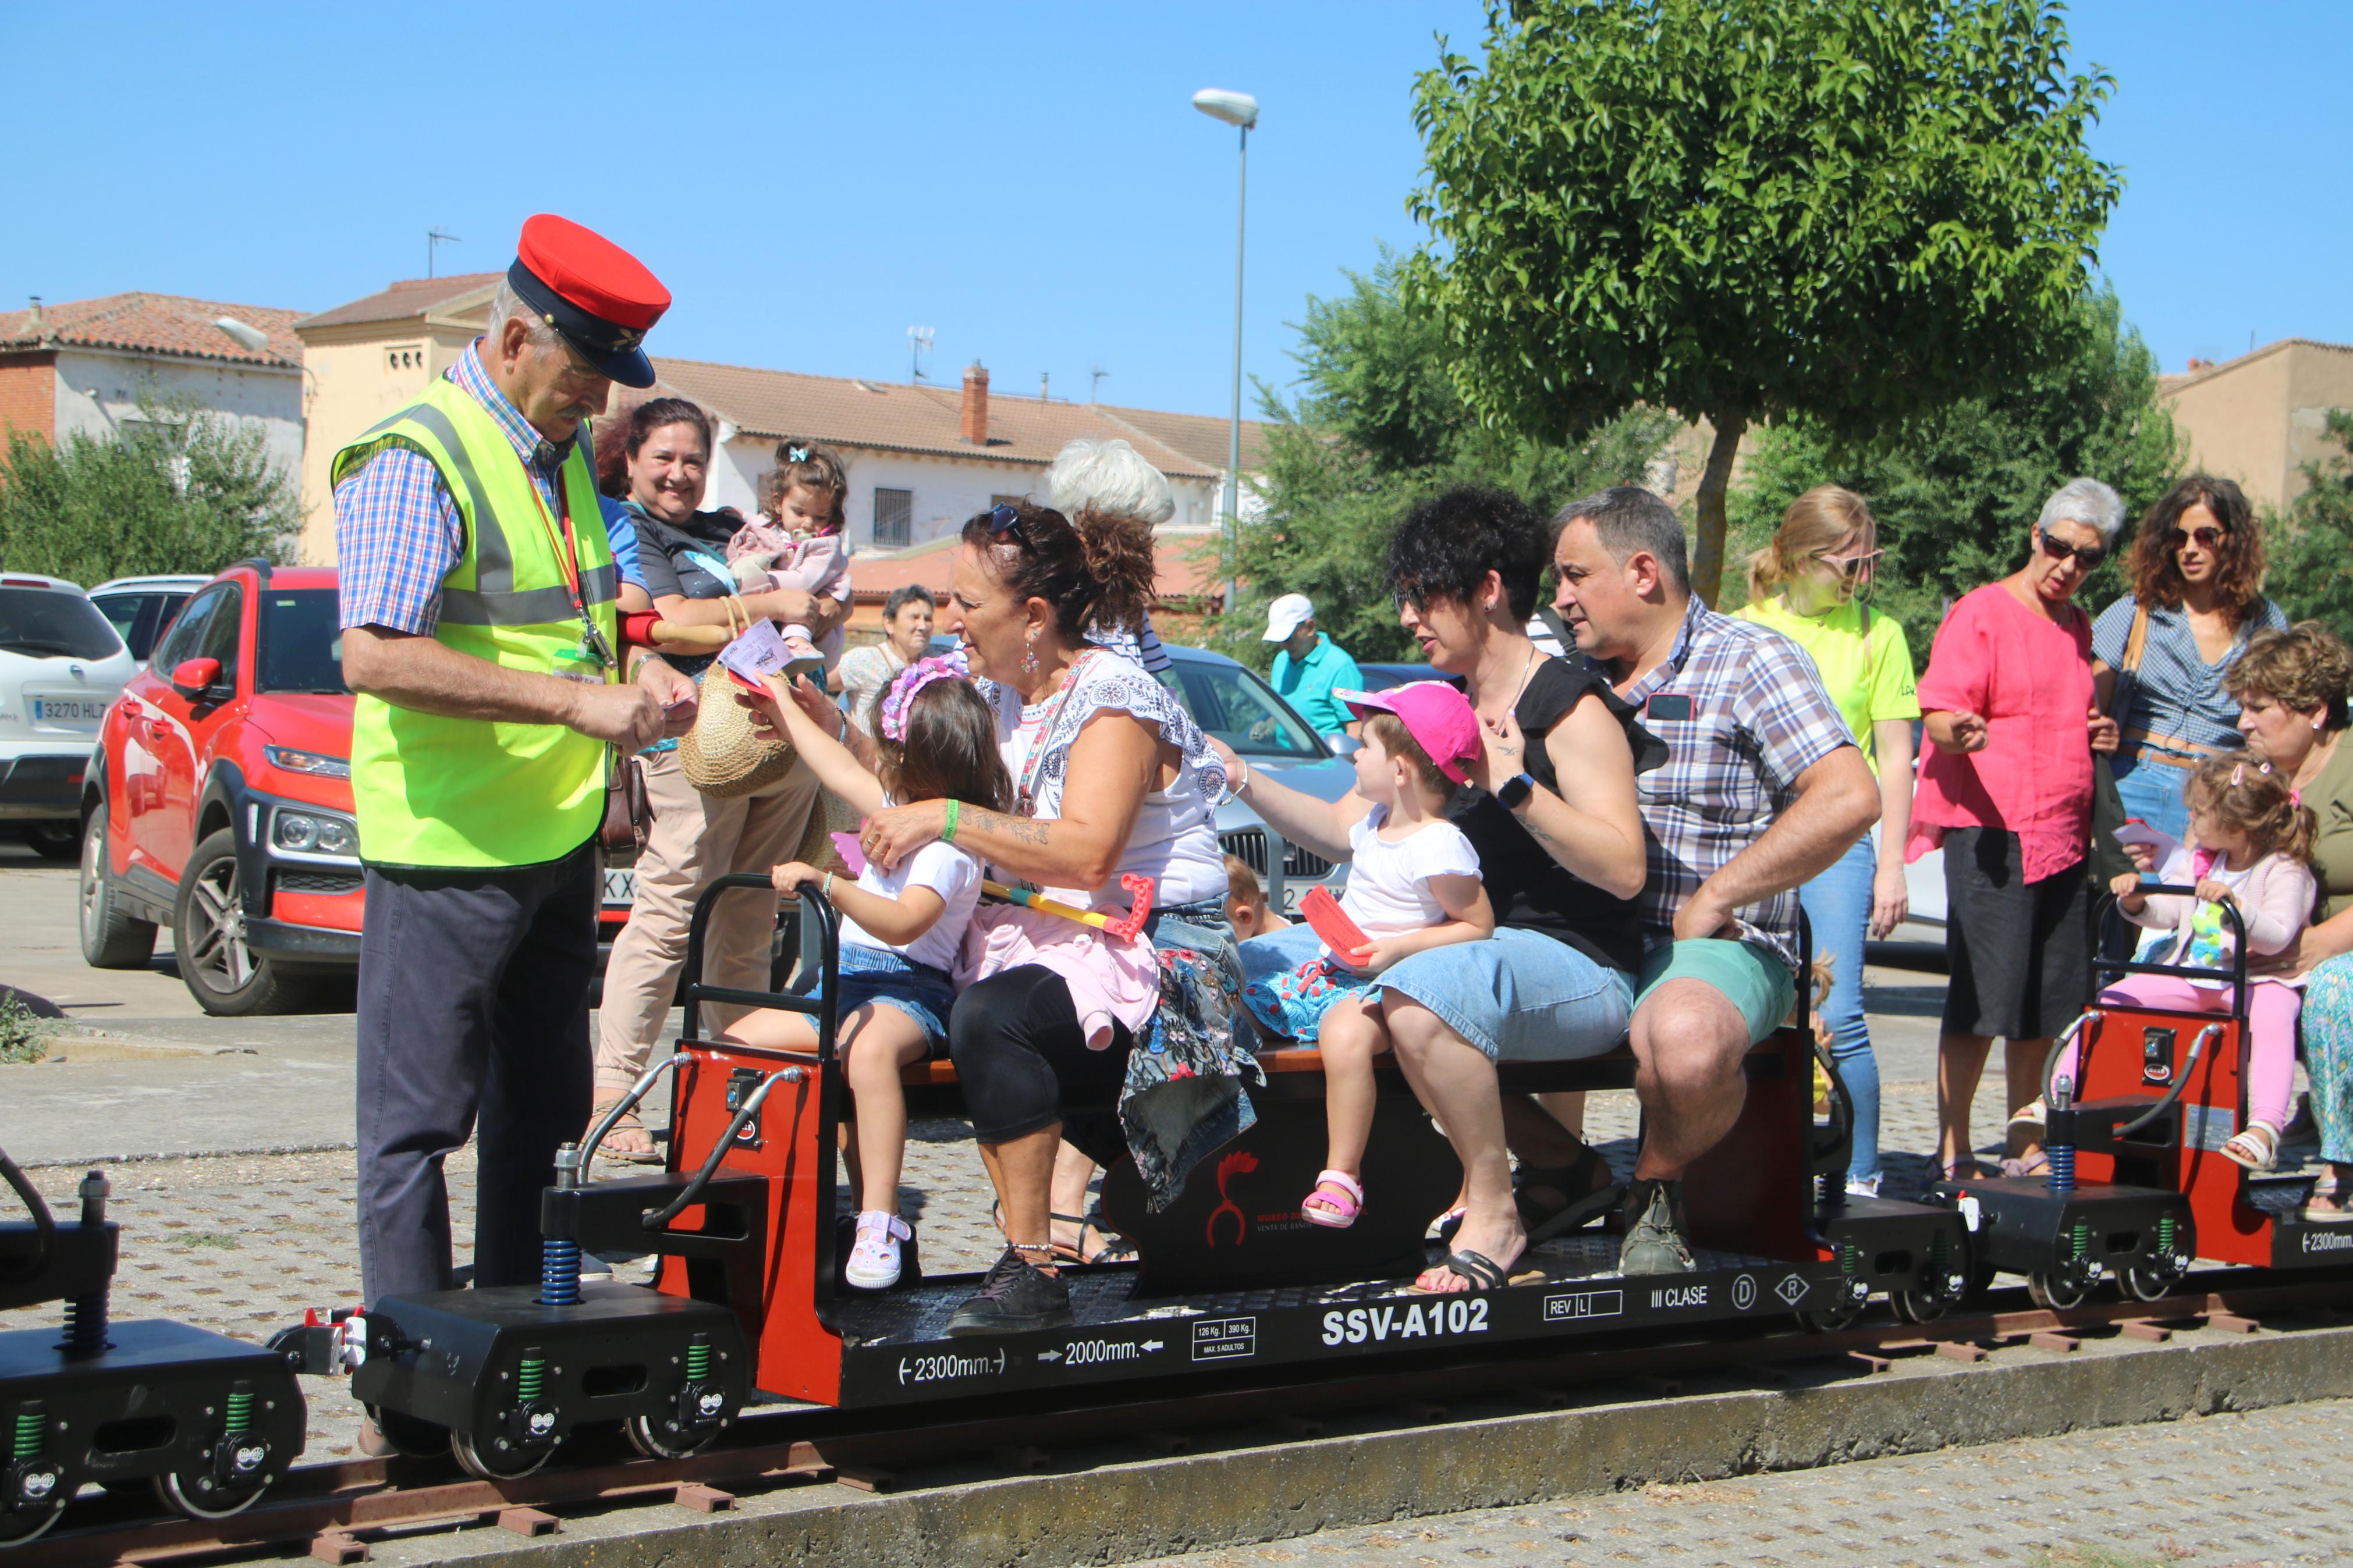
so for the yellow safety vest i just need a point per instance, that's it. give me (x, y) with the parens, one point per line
(435, 791)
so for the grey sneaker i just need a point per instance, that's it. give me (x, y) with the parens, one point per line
(1654, 1230)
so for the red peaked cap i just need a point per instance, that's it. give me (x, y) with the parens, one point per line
(592, 272)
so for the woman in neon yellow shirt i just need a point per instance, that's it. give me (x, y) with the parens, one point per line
(1809, 585)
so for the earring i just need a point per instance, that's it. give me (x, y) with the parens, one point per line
(1029, 657)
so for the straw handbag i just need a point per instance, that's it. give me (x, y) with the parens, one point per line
(723, 755)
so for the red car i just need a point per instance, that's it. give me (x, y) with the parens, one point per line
(219, 799)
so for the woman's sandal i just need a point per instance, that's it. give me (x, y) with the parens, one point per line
(1585, 1202)
(1335, 1202)
(1483, 1272)
(2254, 1146)
(1115, 1248)
(2032, 1114)
(2035, 1164)
(628, 1123)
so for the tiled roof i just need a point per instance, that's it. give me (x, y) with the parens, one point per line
(897, 416)
(411, 297)
(155, 323)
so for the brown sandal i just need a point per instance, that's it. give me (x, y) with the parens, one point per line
(628, 1123)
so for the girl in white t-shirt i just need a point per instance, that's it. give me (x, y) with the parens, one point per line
(936, 739)
(1413, 884)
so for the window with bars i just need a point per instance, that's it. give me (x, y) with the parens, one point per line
(895, 515)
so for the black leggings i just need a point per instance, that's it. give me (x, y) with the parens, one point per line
(1021, 1059)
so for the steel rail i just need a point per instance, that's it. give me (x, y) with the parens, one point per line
(327, 1505)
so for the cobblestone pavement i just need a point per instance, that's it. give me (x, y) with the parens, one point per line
(2219, 1491)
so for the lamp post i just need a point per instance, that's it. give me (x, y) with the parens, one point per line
(1239, 110)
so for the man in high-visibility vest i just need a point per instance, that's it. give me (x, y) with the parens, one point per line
(478, 593)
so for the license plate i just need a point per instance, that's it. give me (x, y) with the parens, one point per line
(67, 710)
(620, 888)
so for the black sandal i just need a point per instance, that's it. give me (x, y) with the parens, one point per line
(1483, 1272)
(1121, 1250)
(1586, 1202)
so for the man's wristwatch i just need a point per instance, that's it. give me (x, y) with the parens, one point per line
(1515, 791)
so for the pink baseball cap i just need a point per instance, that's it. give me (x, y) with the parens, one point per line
(1435, 714)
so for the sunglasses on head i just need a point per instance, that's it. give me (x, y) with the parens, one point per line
(2087, 556)
(2208, 538)
(1003, 520)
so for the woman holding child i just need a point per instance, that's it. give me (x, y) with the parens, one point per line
(1546, 804)
(1108, 777)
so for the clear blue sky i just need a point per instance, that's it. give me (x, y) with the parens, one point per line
(1028, 179)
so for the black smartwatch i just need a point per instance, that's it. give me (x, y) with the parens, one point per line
(1515, 791)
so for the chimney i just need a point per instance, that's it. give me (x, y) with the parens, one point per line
(976, 404)
(38, 321)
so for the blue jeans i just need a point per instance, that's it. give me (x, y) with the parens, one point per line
(2152, 792)
(1838, 907)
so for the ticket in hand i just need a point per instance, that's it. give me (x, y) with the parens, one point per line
(1324, 916)
(757, 653)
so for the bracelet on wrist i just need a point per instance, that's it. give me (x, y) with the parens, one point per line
(947, 834)
(826, 892)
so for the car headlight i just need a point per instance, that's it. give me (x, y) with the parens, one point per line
(314, 764)
(307, 833)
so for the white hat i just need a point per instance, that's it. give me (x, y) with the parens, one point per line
(1283, 616)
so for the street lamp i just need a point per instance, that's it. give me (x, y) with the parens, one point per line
(1239, 110)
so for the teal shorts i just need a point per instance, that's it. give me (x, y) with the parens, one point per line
(1754, 981)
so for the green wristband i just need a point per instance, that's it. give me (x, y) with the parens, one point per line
(947, 835)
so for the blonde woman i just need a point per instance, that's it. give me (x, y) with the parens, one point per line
(1811, 584)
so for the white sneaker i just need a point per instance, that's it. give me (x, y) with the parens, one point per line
(874, 1260)
(1864, 1186)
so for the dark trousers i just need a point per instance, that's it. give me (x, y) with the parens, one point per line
(474, 1000)
(1024, 1064)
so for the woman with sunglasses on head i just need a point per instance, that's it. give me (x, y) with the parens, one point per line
(2008, 704)
(1810, 583)
(2161, 652)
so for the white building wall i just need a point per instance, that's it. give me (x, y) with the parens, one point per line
(99, 389)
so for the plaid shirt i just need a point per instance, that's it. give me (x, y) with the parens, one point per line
(1759, 717)
(398, 532)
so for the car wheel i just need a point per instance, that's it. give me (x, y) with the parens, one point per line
(109, 938)
(217, 964)
(54, 840)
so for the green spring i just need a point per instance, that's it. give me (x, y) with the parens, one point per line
(2165, 1234)
(29, 1423)
(1943, 1252)
(530, 1377)
(240, 1413)
(2083, 1237)
(1849, 1259)
(698, 1359)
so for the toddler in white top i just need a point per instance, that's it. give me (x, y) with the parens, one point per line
(1413, 884)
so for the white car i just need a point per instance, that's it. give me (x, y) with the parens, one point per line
(142, 607)
(61, 665)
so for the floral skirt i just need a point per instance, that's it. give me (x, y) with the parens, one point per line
(1292, 1001)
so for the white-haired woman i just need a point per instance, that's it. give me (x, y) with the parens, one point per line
(2008, 708)
(1111, 476)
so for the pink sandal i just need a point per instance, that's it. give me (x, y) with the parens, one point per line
(1341, 1201)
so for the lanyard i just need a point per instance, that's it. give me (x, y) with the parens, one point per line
(1034, 763)
(566, 545)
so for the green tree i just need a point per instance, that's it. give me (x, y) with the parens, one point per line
(180, 489)
(1955, 491)
(1378, 426)
(1857, 210)
(2311, 570)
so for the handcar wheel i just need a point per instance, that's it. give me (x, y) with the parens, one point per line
(411, 1436)
(2056, 1295)
(1829, 1320)
(196, 1494)
(497, 1464)
(650, 1437)
(2149, 1281)
(17, 1528)
(1920, 1306)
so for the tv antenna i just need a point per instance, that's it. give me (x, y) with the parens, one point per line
(434, 240)
(919, 344)
(1095, 379)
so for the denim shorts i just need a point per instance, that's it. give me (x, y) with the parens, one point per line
(1519, 996)
(890, 979)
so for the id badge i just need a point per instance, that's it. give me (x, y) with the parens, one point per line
(581, 665)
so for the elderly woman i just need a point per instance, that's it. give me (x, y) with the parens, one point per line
(2292, 688)
(663, 458)
(2007, 706)
(2161, 652)
(1111, 778)
(1551, 812)
(906, 632)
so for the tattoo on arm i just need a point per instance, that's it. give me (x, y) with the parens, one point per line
(1020, 829)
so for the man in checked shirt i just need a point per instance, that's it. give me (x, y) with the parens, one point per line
(1763, 790)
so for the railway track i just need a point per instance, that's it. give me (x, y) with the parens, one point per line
(330, 1509)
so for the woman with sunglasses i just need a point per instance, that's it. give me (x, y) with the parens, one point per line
(2007, 791)
(1810, 583)
(2162, 652)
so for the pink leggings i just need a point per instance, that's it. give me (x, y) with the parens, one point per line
(2273, 1008)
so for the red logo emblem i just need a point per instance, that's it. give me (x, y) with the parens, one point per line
(1238, 1164)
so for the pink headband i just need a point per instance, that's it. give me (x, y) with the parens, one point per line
(906, 684)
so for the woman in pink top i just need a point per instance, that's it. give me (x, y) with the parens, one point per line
(2007, 704)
